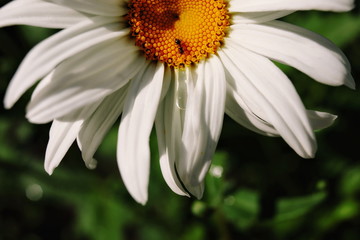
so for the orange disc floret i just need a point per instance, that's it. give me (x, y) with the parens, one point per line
(178, 32)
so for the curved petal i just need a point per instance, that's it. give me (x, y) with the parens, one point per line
(138, 116)
(320, 120)
(237, 109)
(38, 13)
(94, 128)
(202, 124)
(271, 96)
(307, 51)
(169, 125)
(240, 112)
(85, 78)
(49, 53)
(111, 8)
(62, 134)
(281, 5)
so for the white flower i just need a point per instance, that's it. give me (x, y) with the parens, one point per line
(203, 59)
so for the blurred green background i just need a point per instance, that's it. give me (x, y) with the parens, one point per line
(257, 188)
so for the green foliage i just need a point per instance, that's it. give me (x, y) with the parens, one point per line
(257, 188)
(242, 208)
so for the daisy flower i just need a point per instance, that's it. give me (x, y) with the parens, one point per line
(178, 65)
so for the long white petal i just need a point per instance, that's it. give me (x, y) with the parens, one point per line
(83, 79)
(38, 13)
(62, 134)
(307, 51)
(281, 5)
(202, 125)
(49, 53)
(111, 8)
(95, 127)
(138, 116)
(169, 127)
(271, 96)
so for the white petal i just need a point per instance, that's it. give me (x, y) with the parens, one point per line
(95, 127)
(169, 126)
(271, 96)
(202, 124)
(95, 7)
(85, 78)
(257, 17)
(137, 120)
(49, 53)
(320, 120)
(166, 83)
(62, 135)
(307, 51)
(38, 13)
(241, 113)
(281, 5)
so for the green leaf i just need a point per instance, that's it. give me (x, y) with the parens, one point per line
(242, 208)
(292, 208)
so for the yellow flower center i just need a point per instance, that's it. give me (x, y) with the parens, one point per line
(178, 32)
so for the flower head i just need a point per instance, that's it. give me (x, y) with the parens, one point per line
(180, 64)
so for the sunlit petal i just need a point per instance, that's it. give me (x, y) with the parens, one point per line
(133, 151)
(297, 47)
(38, 13)
(202, 125)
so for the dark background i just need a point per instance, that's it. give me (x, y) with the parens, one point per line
(265, 190)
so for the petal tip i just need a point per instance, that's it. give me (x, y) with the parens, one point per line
(8, 103)
(140, 199)
(196, 191)
(306, 150)
(198, 194)
(351, 6)
(333, 117)
(91, 164)
(310, 153)
(350, 83)
(143, 202)
(49, 170)
(36, 119)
